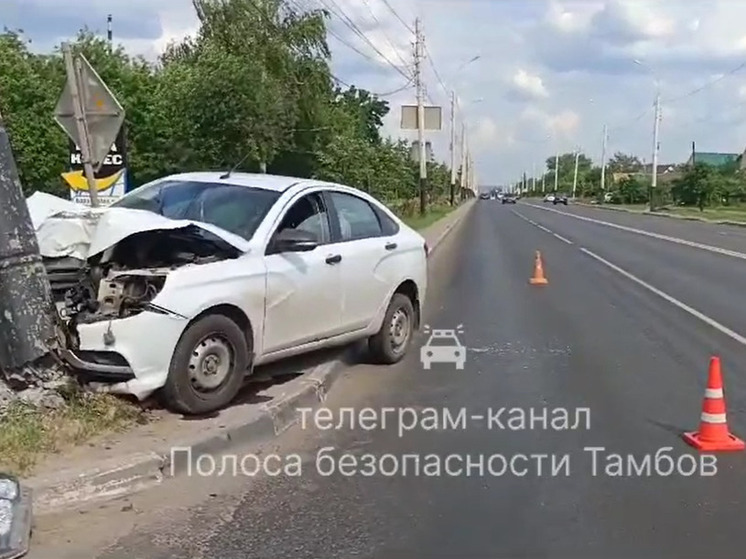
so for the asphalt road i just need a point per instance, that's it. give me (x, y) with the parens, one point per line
(635, 355)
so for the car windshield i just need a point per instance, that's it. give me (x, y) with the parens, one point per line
(237, 209)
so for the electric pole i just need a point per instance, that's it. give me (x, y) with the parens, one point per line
(556, 172)
(109, 33)
(27, 325)
(453, 148)
(656, 148)
(418, 55)
(463, 159)
(603, 158)
(575, 174)
(533, 178)
(543, 183)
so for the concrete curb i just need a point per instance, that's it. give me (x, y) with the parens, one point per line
(667, 215)
(117, 477)
(469, 206)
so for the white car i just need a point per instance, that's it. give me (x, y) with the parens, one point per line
(549, 198)
(188, 282)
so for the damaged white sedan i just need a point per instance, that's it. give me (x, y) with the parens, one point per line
(187, 283)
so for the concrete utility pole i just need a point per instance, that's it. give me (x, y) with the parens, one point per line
(418, 56)
(463, 159)
(575, 174)
(556, 171)
(453, 148)
(603, 158)
(656, 147)
(27, 326)
(543, 183)
(533, 178)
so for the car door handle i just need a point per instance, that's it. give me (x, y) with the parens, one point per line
(335, 259)
(391, 246)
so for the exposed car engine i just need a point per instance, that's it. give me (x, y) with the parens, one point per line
(124, 279)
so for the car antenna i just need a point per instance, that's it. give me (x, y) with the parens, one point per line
(227, 174)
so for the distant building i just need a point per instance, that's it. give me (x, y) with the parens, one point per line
(666, 172)
(715, 159)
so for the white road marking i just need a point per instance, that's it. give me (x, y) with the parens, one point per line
(681, 305)
(710, 248)
(532, 222)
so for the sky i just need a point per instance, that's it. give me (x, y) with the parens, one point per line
(531, 77)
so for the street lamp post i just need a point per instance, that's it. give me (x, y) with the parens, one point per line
(575, 174)
(656, 134)
(453, 133)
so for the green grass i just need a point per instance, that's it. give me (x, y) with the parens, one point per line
(27, 433)
(434, 213)
(720, 213)
(723, 213)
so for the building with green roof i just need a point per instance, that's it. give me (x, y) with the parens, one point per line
(713, 158)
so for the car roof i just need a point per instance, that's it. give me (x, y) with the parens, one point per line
(277, 183)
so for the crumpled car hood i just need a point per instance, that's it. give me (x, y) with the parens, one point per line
(64, 228)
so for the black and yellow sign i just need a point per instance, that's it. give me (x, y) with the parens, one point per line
(111, 178)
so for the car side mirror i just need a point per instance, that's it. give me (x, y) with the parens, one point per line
(294, 240)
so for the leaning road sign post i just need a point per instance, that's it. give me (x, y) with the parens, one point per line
(89, 114)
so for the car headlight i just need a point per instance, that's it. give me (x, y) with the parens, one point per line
(15, 518)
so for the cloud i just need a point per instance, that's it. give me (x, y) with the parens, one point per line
(528, 86)
(551, 73)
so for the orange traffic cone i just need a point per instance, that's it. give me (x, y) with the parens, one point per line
(713, 434)
(538, 278)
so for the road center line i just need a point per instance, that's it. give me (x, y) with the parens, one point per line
(683, 306)
(560, 237)
(710, 248)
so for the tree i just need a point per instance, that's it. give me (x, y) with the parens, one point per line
(623, 163)
(567, 170)
(253, 88)
(632, 190)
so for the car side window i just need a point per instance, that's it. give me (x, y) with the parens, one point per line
(308, 214)
(357, 219)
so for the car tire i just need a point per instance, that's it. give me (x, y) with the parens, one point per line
(214, 336)
(391, 343)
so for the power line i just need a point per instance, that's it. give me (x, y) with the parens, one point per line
(406, 86)
(336, 10)
(435, 70)
(396, 14)
(707, 85)
(630, 122)
(390, 42)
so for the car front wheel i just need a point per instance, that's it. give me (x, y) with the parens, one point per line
(392, 341)
(208, 366)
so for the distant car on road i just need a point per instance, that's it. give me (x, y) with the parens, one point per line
(509, 199)
(484, 196)
(549, 198)
(559, 199)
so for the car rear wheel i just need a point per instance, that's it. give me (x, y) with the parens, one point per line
(392, 341)
(208, 366)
